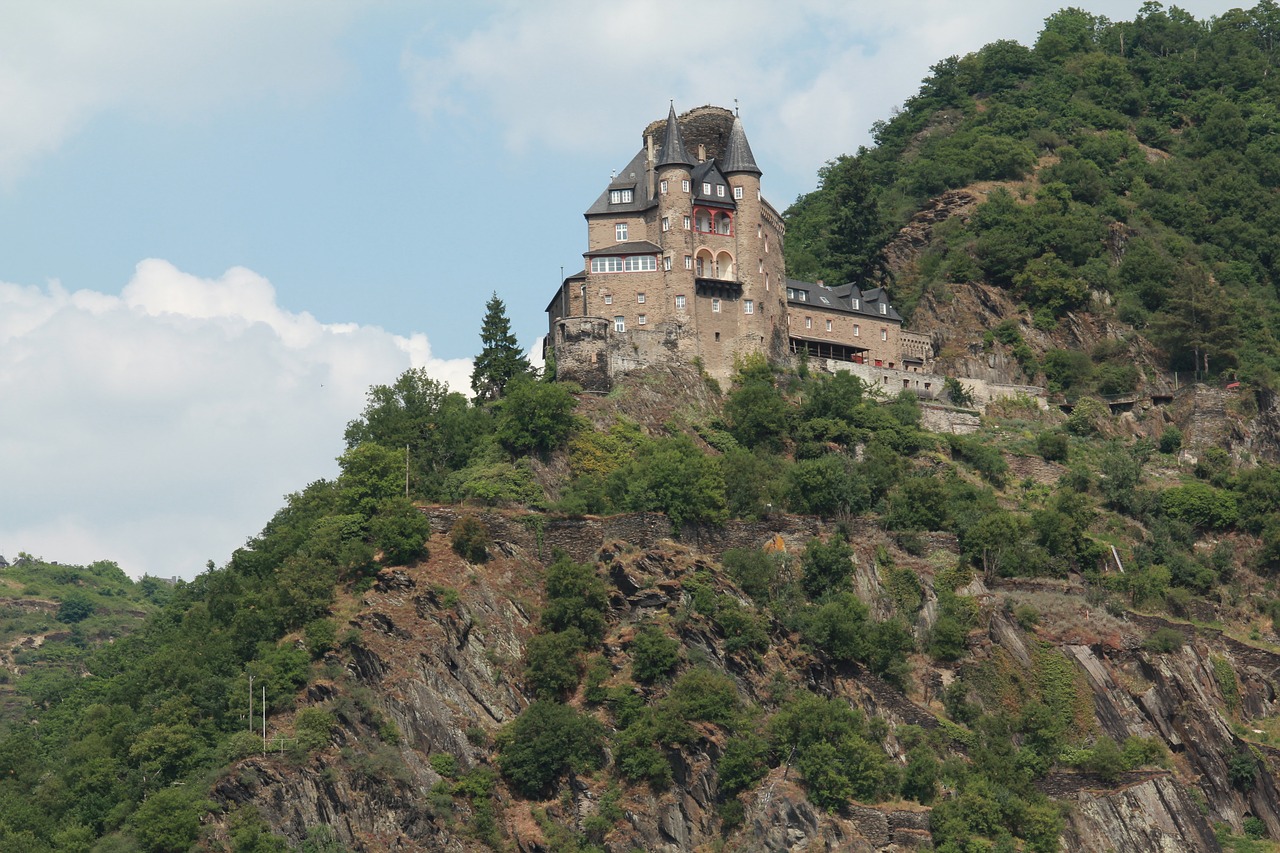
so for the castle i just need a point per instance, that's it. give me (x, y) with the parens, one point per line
(684, 262)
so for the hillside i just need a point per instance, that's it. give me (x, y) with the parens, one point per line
(785, 613)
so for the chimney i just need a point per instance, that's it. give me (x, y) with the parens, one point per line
(821, 283)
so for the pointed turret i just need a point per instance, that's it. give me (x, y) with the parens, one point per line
(737, 155)
(673, 151)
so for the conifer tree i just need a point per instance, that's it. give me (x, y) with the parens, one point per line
(500, 358)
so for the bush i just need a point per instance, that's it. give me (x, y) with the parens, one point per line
(470, 539)
(576, 598)
(75, 607)
(444, 764)
(827, 566)
(1164, 641)
(1171, 439)
(653, 654)
(400, 532)
(1053, 446)
(314, 728)
(553, 662)
(534, 417)
(545, 741)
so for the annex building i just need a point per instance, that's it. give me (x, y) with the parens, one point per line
(684, 261)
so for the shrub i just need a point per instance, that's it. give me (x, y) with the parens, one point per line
(753, 571)
(1163, 641)
(1053, 446)
(444, 764)
(546, 740)
(1170, 439)
(743, 763)
(314, 728)
(534, 417)
(826, 566)
(653, 654)
(400, 532)
(576, 598)
(553, 663)
(75, 607)
(470, 539)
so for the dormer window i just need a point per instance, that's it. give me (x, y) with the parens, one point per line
(791, 293)
(720, 190)
(856, 302)
(884, 309)
(620, 232)
(706, 188)
(619, 196)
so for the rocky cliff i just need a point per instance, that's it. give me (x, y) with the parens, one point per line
(430, 668)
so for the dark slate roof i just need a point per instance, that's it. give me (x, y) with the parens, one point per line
(631, 247)
(708, 172)
(737, 155)
(632, 177)
(841, 298)
(673, 150)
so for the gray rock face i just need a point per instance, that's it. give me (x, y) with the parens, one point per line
(1156, 816)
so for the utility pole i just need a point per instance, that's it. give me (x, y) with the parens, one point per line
(406, 472)
(251, 703)
(264, 720)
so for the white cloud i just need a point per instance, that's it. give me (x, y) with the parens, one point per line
(161, 427)
(812, 76)
(63, 64)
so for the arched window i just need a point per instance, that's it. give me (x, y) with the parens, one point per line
(724, 225)
(724, 266)
(704, 221)
(704, 264)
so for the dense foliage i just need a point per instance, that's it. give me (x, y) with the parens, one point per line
(1153, 147)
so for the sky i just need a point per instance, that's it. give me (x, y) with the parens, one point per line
(221, 221)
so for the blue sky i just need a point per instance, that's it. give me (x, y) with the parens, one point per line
(222, 220)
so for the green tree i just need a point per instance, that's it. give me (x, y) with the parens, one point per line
(827, 566)
(653, 654)
(534, 417)
(500, 359)
(547, 740)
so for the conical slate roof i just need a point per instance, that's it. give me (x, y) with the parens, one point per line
(673, 151)
(737, 155)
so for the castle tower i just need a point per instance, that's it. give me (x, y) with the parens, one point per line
(683, 261)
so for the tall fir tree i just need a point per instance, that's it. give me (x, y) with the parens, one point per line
(500, 358)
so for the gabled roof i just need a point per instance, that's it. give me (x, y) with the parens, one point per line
(842, 298)
(737, 155)
(632, 177)
(631, 247)
(710, 173)
(673, 150)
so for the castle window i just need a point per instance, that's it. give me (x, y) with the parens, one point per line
(737, 193)
(606, 264)
(828, 325)
(791, 293)
(856, 330)
(640, 298)
(715, 306)
(720, 190)
(639, 263)
(662, 187)
(759, 231)
(619, 196)
(724, 225)
(700, 267)
(855, 304)
(619, 324)
(884, 334)
(666, 263)
(684, 185)
(884, 309)
(688, 260)
(761, 265)
(666, 224)
(704, 221)
(679, 301)
(766, 282)
(802, 296)
(748, 306)
(608, 299)
(706, 188)
(620, 232)
(766, 245)
(717, 336)
(808, 322)
(688, 223)
(642, 320)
